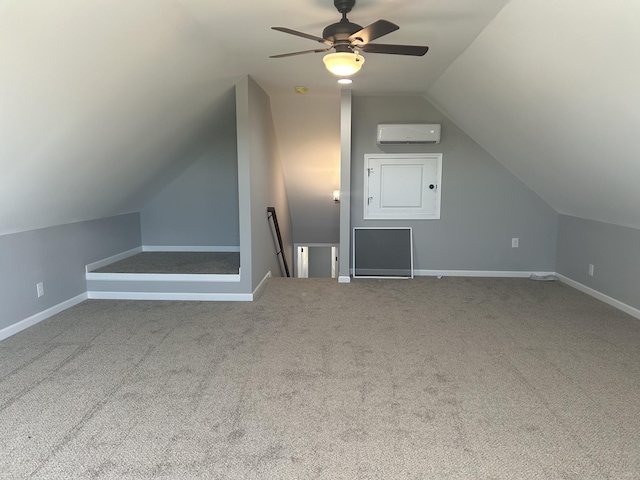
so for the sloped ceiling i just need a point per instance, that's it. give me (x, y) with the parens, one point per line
(98, 100)
(101, 101)
(552, 90)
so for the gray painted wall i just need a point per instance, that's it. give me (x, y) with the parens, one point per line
(244, 183)
(261, 185)
(200, 206)
(57, 256)
(483, 204)
(344, 261)
(613, 250)
(267, 188)
(308, 130)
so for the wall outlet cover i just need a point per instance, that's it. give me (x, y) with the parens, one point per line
(514, 242)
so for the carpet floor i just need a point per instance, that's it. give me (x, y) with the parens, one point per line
(378, 379)
(176, 262)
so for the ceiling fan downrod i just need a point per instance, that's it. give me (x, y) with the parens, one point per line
(340, 32)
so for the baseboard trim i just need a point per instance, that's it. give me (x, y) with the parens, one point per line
(478, 273)
(634, 312)
(162, 277)
(40, 316)
(189, 248)
(246, 297)
(258, 290)
(113, 258)
(197, 297)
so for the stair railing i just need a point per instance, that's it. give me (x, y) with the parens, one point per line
(271, 213)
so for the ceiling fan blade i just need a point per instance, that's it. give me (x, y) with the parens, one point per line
(303, 35)
(282, 55)
(373, 31)
(415, 50)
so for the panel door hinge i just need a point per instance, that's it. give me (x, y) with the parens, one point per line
(369, 171)
(369, 200)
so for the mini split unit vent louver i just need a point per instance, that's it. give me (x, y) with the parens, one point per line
(408, 134)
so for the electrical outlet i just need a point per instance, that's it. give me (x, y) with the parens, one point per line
(591, 269)
(40, 289)
(514, 242)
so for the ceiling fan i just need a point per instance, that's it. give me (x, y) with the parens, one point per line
(349, 39)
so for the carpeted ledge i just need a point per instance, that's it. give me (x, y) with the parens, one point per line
(176, 263)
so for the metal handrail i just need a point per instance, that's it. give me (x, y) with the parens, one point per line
(271, 211)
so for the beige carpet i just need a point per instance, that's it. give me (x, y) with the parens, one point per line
(378, 379)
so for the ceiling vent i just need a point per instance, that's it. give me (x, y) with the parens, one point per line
(408, 134)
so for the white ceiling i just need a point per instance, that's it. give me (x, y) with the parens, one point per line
(552, 90)
(99, 99)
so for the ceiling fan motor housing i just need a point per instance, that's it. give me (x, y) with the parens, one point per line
(344, 6)
(341, 31)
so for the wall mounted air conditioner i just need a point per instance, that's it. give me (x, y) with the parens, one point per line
(390, 134)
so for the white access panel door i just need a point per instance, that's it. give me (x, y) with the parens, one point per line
(402, 186)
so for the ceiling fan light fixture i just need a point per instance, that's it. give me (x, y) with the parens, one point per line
(343, 64)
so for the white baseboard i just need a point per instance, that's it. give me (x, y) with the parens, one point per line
(38, 317)
(247, 297)
(477, 273)
(163, 277)
(183, 296)
(199, 297)
(188, 248)
(383, 273)
(260, 286)
(634, 312)
(113, 258)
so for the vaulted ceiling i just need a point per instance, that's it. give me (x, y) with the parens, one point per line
(552, 90)
(99, 100)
